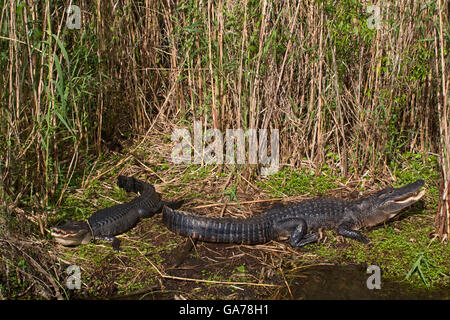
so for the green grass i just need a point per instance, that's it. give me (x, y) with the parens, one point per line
(299, 182)
(395, 247)
(80, 206)
(395, 251)
(403, 249)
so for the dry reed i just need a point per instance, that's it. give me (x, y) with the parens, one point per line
(314, 70)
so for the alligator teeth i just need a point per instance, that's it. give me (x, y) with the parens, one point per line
(414, 197)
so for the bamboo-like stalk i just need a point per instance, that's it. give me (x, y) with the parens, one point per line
(313, 70)
(443, 214)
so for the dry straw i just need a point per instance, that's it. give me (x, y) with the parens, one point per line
(314, 70)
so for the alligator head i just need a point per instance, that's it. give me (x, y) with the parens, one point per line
(385, 204)
(72, 233)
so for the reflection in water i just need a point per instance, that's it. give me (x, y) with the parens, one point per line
(349, 282)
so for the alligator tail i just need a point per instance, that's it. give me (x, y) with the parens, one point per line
(225, 230)
(173, 204)
(131, 184)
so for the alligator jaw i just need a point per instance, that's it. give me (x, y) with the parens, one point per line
(410, 199)
(389, 202)
(403, 197)
(72, 233)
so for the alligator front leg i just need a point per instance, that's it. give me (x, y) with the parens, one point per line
(115, 242)
(345, 231)
(299, 237)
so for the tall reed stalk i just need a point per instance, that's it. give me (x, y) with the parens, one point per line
(443, 214)
(341, 91)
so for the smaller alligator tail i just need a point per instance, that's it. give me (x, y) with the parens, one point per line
(149, 197)
(173, 204)
(131, 184)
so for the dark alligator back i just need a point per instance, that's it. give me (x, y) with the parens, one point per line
(122, 217)
(131, 184)
(272, 224)
(226, 230)
(300, 221)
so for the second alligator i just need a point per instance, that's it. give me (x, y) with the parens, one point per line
(106, 223)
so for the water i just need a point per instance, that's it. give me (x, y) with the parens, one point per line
(350, 282)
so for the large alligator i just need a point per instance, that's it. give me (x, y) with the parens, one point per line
(106, 223)
(300, 221)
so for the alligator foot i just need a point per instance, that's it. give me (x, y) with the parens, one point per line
(115, 242)
(182, 256)
(345, 231)
(313, 237)
(299, 237)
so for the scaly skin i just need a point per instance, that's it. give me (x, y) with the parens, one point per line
(106, 223)
(300, 221)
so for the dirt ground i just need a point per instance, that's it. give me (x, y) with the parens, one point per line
(155, 263)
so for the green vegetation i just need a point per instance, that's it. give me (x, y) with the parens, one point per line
(311, 70)
(356, 107)
(403, 249)
(288, 182)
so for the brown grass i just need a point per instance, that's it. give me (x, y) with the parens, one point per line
(341, 94)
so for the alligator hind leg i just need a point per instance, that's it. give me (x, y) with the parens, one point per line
(313, 237)
(345, 231)
(299, 237)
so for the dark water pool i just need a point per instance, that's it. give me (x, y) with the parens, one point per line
(350, 282)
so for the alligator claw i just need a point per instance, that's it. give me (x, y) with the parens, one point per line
(298, 235)
(307, 239)
(116, 244)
